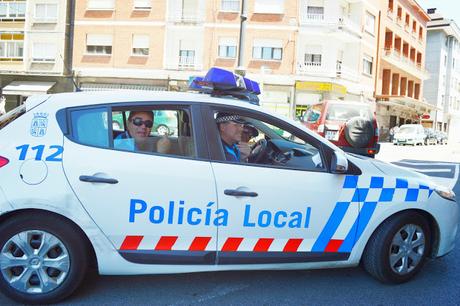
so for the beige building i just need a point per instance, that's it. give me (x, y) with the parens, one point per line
(34, 48)
(401, 67)
(300, 51)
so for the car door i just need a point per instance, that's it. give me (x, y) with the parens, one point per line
(155, 208)
(281, 214)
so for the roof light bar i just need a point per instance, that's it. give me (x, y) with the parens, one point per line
(220, 82)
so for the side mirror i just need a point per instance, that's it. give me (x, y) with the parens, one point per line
(339, 163)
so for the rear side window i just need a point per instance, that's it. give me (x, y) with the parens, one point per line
(90, 127)
(347, 111)
(12, 115)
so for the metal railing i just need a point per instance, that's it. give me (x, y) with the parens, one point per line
(351, 25)
(186, 17)
(347, 73)
(311, 18)
(396, 55)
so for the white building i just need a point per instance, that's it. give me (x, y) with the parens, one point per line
(443, 62)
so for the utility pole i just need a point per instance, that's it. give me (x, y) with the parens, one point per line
(240, 69)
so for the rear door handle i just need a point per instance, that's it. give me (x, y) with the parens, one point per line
(239, 193)
(96, 179)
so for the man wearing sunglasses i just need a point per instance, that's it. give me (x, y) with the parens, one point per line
(136, 137)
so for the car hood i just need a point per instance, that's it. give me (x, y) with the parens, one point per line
(390, 169)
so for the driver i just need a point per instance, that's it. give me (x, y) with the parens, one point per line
(231, 127)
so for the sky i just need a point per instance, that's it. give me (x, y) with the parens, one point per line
(448, 8)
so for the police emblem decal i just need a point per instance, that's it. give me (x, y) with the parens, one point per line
(39, 124)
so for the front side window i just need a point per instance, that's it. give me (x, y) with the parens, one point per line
(99, 44)
(250, 140)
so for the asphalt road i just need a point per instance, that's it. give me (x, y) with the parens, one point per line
(437, 284)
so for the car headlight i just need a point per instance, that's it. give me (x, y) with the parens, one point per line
(445, 193)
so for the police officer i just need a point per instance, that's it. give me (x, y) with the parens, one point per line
(230, 129)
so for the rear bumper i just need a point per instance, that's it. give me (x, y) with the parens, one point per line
(363, 151)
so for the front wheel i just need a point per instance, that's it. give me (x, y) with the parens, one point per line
(42, 258)
(398, 248)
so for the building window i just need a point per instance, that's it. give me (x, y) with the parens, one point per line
(370, 23)
(43, 52)
(267, 53)
(141, 45)
(13, 10)
(230, 5)
(227, 47)
(99, 44)
(46, 11)
(313, 56)
(269, 6)
(186, 58)
(368, 62)
(142, 4)
(101, 4)
(11, 46)
(315, 12)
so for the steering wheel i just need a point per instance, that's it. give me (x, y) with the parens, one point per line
(259, 151)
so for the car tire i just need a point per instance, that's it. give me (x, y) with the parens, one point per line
(51, 255)
(359, 132)
(390, 248)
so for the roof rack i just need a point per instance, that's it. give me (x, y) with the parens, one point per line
(223, 83)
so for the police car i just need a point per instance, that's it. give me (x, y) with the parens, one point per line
(70, 196)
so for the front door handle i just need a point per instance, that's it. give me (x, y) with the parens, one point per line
(239, 193)
(96, 179)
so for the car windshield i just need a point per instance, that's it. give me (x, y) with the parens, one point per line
(12, 115)
(344, 112)
(407, 129)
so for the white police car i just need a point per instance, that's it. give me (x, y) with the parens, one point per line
(70, 196)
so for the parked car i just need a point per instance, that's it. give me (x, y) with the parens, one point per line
(430, 137)
(352, 126)
(441, 137)
(410, 134)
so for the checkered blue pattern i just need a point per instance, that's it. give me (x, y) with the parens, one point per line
(380, 189)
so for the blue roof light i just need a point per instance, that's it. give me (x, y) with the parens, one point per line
(220, 82)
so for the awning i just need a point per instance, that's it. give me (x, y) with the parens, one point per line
(104, 87)
(25, 88)
(406, 103)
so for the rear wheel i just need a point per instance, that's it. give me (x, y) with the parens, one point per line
(42, 258)
(398, 248)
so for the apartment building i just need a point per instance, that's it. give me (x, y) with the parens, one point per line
(33, 48)
(443, 88)
(336, 50)
(401, 73)
(300, 51)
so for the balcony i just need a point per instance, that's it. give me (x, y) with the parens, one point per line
(307, 18)
(390, 14)
(394, 57)
(349, 25)
(184, 63)
(347, 73)
(186, 17)
(318, 69)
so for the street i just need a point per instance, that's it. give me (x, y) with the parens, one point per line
(438, 283)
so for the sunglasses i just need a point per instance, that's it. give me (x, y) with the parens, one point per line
(139, 122)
